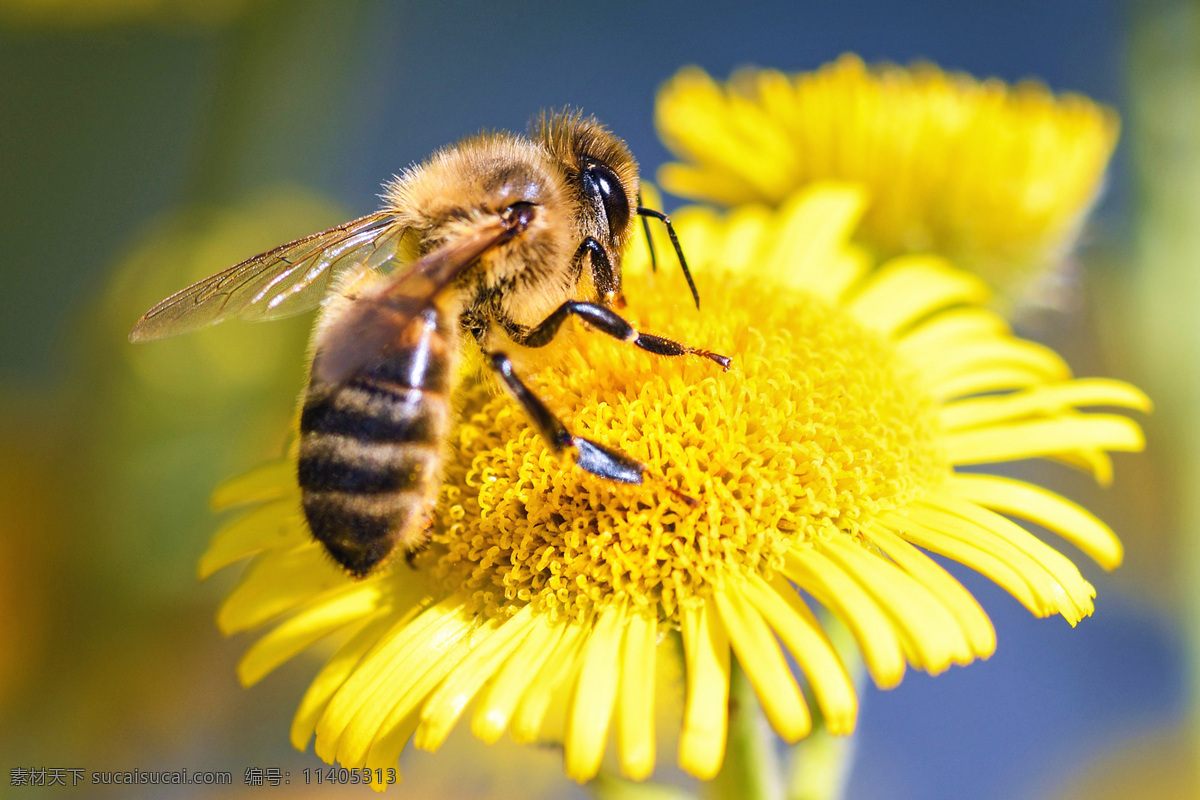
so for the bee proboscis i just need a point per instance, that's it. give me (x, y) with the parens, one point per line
(500, 237)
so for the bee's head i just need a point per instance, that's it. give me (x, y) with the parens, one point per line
(602, 177)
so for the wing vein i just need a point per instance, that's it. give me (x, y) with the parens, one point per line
(282, 281)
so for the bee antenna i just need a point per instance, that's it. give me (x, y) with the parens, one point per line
(665, 220)
(649, 238)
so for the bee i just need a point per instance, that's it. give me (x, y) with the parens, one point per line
(497, 239)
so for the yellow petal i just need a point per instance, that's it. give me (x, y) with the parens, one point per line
(1058, 566)
(965, 608)
(971, 357)
(706, 713)
(835, 590)
(786, 613)
(1090, 460)
(594, 696)
(496, 708)
(278, 581)
(812, 226)
(994, 555)
(1042, 401)
(742, 140)
(932, 339)
(272, 525)
(270, 481)
(316, 620)
(446, 704)
(745, 237)
(703, 183)
(1019, 499)
(386, 747)
(336, 670)
(908, 288)
(635, 704)
(559, 670)
(699, 232)
(412, 683)
(352, 718)
(1027, 583)
(1038, 438)
(930, 631)
(989, 379)
(759, 656)
(843, 272)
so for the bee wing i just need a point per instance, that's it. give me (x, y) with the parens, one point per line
(378, 319)
(289, 279)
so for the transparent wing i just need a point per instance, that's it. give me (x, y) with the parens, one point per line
(377, 320)
(289, 279)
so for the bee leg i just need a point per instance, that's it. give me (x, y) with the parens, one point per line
(591, 456)
(612, 323)
(603, 277)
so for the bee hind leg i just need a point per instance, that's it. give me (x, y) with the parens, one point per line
(590, 456)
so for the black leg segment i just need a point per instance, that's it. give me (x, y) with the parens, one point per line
(602, 271)
(612, 323)
(591, 456)
(665, 220)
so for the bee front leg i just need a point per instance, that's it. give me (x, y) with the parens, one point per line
(612, 323)
(591, 456)
(603, 277)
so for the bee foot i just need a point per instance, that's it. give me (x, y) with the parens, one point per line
(725, 361)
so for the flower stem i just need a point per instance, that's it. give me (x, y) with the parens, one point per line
(607, 786)
(820, 763)
(751, 770)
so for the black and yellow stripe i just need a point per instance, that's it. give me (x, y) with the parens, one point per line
(370, 454)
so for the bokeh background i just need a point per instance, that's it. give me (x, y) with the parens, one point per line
(146, 143)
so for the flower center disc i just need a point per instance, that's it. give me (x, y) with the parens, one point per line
(815, 429)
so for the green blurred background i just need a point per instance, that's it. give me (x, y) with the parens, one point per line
(147, 143)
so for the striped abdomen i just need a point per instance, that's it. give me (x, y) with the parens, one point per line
(371, 448)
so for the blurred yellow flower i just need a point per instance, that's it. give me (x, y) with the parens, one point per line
(996, 178)
(824, 461)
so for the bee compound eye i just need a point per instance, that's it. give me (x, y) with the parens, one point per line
(601, 182)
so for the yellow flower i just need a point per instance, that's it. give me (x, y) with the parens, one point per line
(825, 460)
(997, 179)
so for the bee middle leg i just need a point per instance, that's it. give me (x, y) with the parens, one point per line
(591, 456)
(612, 323)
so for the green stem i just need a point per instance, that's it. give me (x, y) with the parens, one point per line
(607, 786)
(751, 769)
(820, 763)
